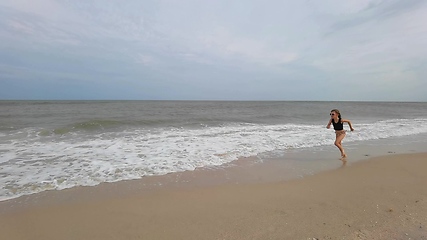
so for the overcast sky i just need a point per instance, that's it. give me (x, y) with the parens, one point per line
(333, 50)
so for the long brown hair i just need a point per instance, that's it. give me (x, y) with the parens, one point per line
(337, 112)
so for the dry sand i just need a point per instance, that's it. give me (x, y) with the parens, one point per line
(381, 198)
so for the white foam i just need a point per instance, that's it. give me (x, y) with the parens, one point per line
(43, 163)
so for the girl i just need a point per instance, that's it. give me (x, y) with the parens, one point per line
(338, 123)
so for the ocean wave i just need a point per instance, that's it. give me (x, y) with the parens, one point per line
(34, 163)
(91, 125)
(111, 125)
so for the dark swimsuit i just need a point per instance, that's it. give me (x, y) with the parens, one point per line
(339, 125)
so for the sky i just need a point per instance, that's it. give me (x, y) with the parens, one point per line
(309, 50)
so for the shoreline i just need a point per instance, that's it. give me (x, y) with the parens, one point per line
(294, 164)
(381, 198)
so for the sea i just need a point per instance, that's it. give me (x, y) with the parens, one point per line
(54, 145)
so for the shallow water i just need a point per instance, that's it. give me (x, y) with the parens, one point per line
(48, 145)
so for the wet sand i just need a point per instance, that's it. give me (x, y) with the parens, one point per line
(380, 198)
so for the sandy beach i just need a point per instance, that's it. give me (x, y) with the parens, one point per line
(380, 198)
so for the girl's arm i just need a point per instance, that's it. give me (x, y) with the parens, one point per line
(329, 124)
(349, 123)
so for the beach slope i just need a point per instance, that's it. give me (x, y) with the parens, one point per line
(379, 198)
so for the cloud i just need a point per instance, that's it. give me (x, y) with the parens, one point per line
(377, 11)
(217, 49)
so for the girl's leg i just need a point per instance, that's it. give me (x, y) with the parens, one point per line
(338, 140)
